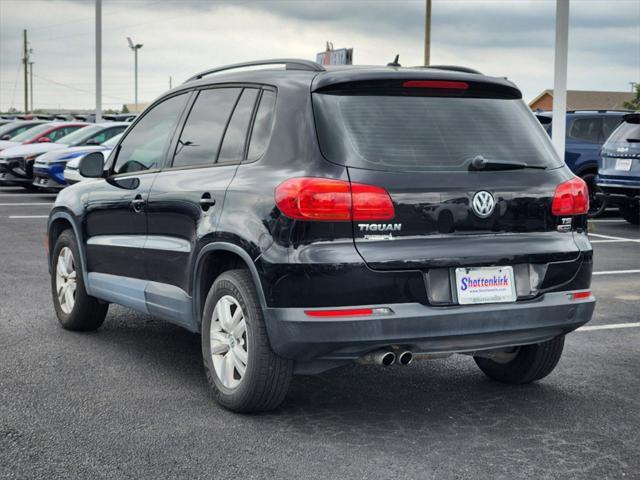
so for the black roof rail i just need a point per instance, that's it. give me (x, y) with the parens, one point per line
(453, 68)
(622, 110)
(289, 63)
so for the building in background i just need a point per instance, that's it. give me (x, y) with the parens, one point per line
(584, 100)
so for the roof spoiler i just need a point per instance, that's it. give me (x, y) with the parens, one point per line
(632, 118)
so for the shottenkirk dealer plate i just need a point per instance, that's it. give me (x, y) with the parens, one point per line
(485, 285)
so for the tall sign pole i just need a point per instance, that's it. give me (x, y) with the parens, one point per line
(558, 126)
(98, 61)
(427, 34)
(25, 61)
(31, 84)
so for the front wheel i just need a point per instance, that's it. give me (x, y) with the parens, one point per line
(631, 213)
(75, 309)
(525, 364)
(245, 374)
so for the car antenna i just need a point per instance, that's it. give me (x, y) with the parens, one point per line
(395, 62)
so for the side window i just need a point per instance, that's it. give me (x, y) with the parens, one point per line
(60, 132)
(104, 135)
(610, 124)
(236, 135)
(587, 129)
(200, 139)
(261, 132)
(145, 144)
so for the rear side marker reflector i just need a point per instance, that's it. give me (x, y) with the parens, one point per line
(580, 295)
(331, 200)
(349, 312)
(441, 84)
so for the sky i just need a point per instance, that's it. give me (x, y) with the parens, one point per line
(510, 38)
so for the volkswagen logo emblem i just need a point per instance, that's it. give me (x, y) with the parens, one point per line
(483, 203)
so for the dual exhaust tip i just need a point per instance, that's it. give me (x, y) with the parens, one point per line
(387, 357)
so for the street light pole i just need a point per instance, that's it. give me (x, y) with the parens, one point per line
(558, 126)
(98, 61)
(135, 48)
(427, 34)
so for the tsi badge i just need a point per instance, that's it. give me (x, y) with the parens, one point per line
(483, 204)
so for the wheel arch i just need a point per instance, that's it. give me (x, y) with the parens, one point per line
(214, 259)
(60, 221)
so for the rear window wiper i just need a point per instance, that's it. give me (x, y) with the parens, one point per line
(481, 163)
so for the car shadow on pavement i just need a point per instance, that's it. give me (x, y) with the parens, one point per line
(445, 393)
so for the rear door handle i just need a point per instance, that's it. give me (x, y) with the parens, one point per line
(206, 201)
(138, 203)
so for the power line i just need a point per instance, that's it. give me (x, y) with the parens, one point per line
(77, 89)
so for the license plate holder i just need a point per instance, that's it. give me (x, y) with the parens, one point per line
(623, 164)
(480, 285)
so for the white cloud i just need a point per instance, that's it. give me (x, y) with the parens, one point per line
(513, 39)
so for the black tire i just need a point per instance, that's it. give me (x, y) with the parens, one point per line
(597, 205)
(531, 363)
(87, 313)
(266, 379)
(631, 213)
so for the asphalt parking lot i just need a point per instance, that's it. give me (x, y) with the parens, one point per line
(131, 400)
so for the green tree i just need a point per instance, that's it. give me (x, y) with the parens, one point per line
(125, 109)
(635, 103)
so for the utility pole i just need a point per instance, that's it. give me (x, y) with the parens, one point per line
(98, 61)
(135, 48)
(427, 34)
(25, 62)
(170, 87)
(31, 84)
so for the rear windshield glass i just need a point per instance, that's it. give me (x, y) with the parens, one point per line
(626, 133)
(396, 133)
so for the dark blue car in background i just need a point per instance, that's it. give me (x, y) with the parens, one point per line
(587, 130)
(619, 170)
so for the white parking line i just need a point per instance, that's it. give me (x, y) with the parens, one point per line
(28, 216)
(608, 220)
(27, 195)
(25, 204)
(611, 326)
(615, 272)
(610, 239)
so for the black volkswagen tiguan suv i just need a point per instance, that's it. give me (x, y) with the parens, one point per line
(302, 218)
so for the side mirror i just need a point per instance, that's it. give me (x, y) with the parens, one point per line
(6, 137)
(44, 140)
(92, 165)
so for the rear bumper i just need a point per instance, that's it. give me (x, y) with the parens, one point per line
(425, 329)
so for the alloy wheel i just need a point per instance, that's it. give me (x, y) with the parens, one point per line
(66, 280)
(228, 341)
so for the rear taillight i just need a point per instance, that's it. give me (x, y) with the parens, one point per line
(571, 198)
(330, 200)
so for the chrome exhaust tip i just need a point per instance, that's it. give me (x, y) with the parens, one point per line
(405, 357)
(378, 357)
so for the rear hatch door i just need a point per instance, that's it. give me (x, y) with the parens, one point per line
(470, 172)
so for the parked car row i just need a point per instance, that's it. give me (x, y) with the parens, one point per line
(89, 117)
(595, 141)
(34, 153)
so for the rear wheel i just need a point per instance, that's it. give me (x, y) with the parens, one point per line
(245, 374)
(631, 213)
(75, 309)
(526, 364)
(597, 205)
